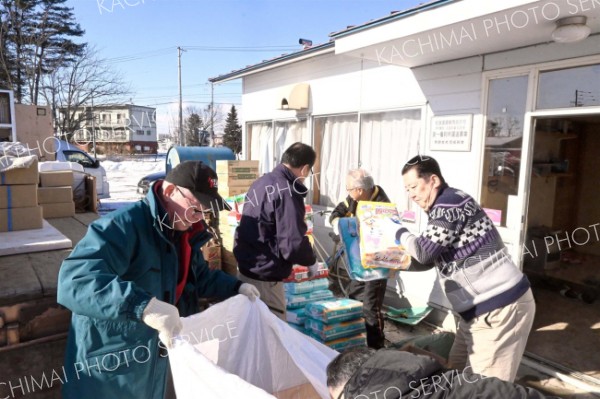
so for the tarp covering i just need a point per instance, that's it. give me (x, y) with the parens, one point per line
(244, 338)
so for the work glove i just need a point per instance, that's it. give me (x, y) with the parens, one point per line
(164, 318)
(313, 270)
(250, 291)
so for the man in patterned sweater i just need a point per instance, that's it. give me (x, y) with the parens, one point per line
(491, 295)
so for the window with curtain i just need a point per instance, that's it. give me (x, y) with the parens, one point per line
(260, 136)
(387, 141)
(336, 142)
(288, 133)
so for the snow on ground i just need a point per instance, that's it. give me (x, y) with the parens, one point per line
(123, 175)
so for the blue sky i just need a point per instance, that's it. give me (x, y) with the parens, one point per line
(140, 37)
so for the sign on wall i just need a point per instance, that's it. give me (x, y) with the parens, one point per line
(451, 133)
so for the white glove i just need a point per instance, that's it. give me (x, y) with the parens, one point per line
(250, 291)
(163, 317)
(313, 270)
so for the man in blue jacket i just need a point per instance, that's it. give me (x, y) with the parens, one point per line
(128, 281)
(271, 237)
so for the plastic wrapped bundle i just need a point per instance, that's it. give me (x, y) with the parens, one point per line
(344, 343)
(301, 300)
(306, 286)
(330, 332)
(334, 311)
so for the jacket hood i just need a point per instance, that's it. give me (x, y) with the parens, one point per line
(392, 373)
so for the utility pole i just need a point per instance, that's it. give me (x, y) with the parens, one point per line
(181, 135)
(93, 127)
(212, 114)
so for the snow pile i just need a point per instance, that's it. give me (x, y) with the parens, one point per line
(123, 177)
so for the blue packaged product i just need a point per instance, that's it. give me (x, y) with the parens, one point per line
(298, 328)
(296, 316)
(330, 332)
(301, 300)
(343, 343)
(306, 286)
(335, 311)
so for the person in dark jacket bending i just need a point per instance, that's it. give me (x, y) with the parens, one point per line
(128, 281)
(360, 187)
(271, 237)
(395, 374)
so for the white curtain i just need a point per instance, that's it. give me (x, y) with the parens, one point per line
(339, 152)
(387, 141)
(288, 133)
(261, 146)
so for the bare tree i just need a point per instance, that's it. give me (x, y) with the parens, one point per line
(87, 80)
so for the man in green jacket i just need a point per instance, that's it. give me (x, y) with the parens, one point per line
(128, 281)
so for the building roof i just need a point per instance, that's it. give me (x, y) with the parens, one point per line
(276, 61)
(393, 16)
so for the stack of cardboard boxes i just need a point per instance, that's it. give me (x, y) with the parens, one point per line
(235, 178)
(55, 194)
(19, 208)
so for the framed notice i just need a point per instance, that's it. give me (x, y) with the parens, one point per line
(451, 133)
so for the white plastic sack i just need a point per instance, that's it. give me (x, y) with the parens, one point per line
(244, 338)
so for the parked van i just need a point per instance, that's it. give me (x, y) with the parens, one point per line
(67, 152)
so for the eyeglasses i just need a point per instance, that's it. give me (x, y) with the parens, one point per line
(352, 189)
(195, 210)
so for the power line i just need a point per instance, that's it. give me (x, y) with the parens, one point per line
(168, 50)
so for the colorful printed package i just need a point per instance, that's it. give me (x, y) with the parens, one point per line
(301, 300)
(334, 311)
(300, 273)
(296, 316)
(306, 286)
(376, 248)
(344, 343)
(330, 332)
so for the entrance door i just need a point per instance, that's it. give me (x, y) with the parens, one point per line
(561, 251)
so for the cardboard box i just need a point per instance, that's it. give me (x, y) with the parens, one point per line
(21, 218)
(56, 179)
(227, 191)
(58, 210)
(229, 268)
(304, 391)
(234, 167)
(227, 256)
(53, 195)
(241, 180)
(28, 175)
(18, 196)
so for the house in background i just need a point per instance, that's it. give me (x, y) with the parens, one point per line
(121, 129)
(505, 95)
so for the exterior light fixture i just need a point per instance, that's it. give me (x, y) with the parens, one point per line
(571, 30)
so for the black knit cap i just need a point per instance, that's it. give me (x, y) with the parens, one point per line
(201, 180)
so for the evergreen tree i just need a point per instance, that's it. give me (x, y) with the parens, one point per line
(37, 39)
(191, 128)
(233, 132)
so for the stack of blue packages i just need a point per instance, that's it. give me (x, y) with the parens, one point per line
(337, 323)
(298, 295)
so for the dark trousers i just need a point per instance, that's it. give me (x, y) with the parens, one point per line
(371, 294)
